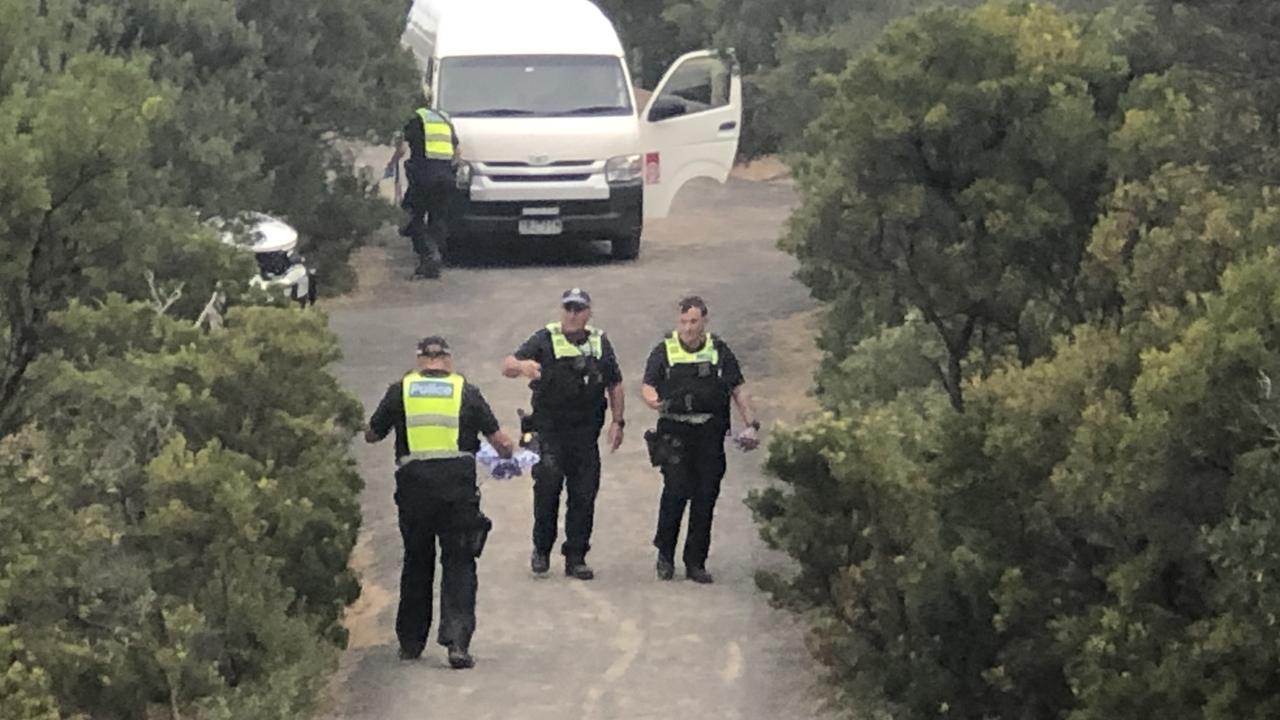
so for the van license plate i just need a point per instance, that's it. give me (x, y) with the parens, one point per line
(541, 227)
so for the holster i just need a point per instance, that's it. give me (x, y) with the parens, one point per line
(478, 533)
(664, 449)
(528, 431)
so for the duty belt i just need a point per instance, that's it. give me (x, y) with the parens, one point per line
(689, 418)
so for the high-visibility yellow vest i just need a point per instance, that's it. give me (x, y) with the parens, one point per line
(438, 134)
(697, 387)
(563, 348)
(677, 355)
(432, 409)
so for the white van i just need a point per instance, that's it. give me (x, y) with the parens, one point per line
(555, 147)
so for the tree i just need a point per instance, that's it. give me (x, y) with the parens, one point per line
(181, 547)
(784, 47)
(269, 89)
(122, 116)
(183, 544)
(956, 170)
(81, 217)
(1092, 536)
(650, 39)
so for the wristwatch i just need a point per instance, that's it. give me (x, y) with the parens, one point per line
(755, 425)
(622, 424)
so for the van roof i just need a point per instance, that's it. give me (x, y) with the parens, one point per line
(526, 27)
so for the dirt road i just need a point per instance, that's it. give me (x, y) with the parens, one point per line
(623, 646)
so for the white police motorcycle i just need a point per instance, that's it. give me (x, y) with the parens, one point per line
(274, 244)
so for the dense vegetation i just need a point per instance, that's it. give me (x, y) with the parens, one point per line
(177, 506)
(1043, 484)
(1044, 481)
(785, 47)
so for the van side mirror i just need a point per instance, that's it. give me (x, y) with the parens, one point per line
(666, 106)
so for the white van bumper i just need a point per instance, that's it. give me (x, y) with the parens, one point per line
(571, 199)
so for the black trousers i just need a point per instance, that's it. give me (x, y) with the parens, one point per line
(693, 480)
(428, 201)
(424, 520)
(571, 460)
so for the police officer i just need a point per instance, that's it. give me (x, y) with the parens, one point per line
(690, 379)
(437, 415)
(433, 158)
(572, 369)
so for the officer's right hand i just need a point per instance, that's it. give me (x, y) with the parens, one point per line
(531, 369)
(502, 443)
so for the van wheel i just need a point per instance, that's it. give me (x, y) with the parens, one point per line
(626, 248)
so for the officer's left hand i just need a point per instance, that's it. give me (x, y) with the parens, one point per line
(747, 440)
(615, 436)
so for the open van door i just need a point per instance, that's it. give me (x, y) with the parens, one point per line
(690, 127)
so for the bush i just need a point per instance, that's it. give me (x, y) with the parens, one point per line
(1089, 533)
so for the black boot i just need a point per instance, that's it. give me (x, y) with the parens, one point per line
(427, 269)
(539, 562)
(666, 568)
(577, 567)
(698, 575)
(412, 652)
(460, 659)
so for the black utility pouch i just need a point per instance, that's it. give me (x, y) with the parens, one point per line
(664, 449)
(478, 534)
(651, 442)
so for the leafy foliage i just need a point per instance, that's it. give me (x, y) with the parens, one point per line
(1089, 533)
(956, 170)
(786, 48)
(198, 506)
(178, 505)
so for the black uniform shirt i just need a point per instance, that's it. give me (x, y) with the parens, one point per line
(655, 370)
(540, 348)
(475, 419)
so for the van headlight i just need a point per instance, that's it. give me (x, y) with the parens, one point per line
(462, 176)
(623, 168)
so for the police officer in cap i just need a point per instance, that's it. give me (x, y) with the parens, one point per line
(437, 417)
(574, 376)
(690, 378)
(434, 155)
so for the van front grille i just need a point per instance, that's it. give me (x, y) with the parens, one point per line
(557, 163)
(560, 177)
(568, 208)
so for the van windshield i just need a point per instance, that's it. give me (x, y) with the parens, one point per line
(533, 85)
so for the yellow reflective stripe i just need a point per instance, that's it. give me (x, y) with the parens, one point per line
(677, 355)
(436, 455)
(430, 420)
(432, 407)
(562, 347)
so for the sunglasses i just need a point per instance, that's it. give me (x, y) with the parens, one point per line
(576, 307)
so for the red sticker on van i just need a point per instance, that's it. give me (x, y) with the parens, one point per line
(652, 168)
